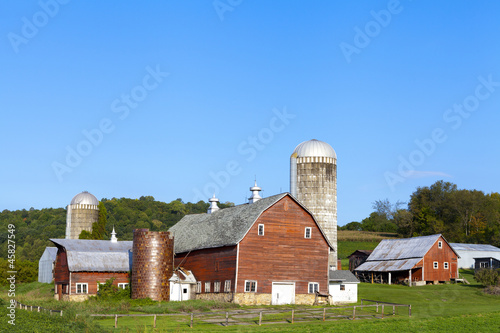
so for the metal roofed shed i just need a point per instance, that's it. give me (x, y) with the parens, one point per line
(416, 260)
(85, 255)
(468, 252)
(342, 287)
(46, 265)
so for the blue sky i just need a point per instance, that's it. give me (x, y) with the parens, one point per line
(178, 99)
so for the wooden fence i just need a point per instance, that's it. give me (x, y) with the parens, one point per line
(379, 310)
(37, 308)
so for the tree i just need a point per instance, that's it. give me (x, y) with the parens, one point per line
(98, 228)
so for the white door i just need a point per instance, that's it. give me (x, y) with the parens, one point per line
(283, 293)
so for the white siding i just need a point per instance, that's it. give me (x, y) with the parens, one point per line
(349, 295)
(466, 259)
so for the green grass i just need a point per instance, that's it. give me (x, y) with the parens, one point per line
(346, 248)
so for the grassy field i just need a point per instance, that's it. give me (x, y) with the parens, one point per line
(443, 308)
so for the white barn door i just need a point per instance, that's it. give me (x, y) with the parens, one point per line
(283, 293)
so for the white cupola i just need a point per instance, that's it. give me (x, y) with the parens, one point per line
(213, 205)
(255, 194)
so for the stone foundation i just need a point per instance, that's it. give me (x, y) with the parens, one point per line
(266, 299)
(220, 297)
(75, 298)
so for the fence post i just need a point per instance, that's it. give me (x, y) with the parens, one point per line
(61, 313)
(116, 321)
(39, 310)
(393, 310)
(409, 310)
(154, 322)
(192, 320)
(293, 312)
(382, 311)
(31, 307)
(324, 313)
(260, 318)
(354, 313)
(50, 311)
(227, 318)
(377, 307)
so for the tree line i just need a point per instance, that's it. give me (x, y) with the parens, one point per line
(462, 216)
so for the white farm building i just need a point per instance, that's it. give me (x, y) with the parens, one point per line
(468, 252)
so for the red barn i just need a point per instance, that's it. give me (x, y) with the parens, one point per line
(270, 251)
(82, 264)
(418, 259)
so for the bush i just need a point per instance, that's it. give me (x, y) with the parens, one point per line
(488, 277)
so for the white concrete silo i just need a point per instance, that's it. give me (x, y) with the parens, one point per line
(313, 181)
(82, 212)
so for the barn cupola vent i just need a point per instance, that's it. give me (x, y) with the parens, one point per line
(113, 236)
(255, 193)
(213, 205)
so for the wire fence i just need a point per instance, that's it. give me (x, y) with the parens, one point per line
(37, 308)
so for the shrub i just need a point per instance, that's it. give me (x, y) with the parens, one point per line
(488, 277)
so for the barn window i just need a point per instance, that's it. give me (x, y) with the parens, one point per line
(484, 265)
(436, 265)
(198, 287)
(227, 286)
(307, 233)
(123, 285)
(207, 287)
(445, 265)
(81, 288)
(342, 287)
(313, 287)
(100, 284)
(261, 230)
(217, 287)
(250, 286)
(184, 290)
(440, 244)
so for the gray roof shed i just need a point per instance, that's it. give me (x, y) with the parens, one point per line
(96, 255)
(342, 276)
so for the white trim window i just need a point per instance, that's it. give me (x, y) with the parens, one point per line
(100, 284)
(484, 265)
(217, 287)
(445, 265)
(342, 287)
(123, 285)
(313, 287)
(82, 288)
(250, 286)
(307, 232)
(440, 245)
(207, 287)
(436, 265)
(227, 286)
(198, 287)
(261, 230)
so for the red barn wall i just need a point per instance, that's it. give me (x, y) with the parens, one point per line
(91, 278)
(445, 254)
(283, 254)
(209, 265)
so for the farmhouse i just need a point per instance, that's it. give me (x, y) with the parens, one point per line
(269, 251)
(468, 252)
(82, 264)
(417, 260)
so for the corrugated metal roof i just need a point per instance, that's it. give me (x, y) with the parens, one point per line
(344, 276)
(388, 265)
(474, 247)
(97, 255)
(393, 249)
(49, 254)
(221, 228)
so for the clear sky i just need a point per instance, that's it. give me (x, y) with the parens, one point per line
(178, 99)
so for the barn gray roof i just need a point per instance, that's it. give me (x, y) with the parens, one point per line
(96, 255)
(405, 248)
(49, 254)
(224, 227)
(343, 276)
(474, 247)
(388, 265)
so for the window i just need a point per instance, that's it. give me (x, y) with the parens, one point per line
(207, 287)
(436, 265)
(100, 284)
(313, 287)
(217, 287)
(261, 230)
(307, 233)
(445, 265)
(484, 265)
(184, 290)
(342, 287)
(198, 287)
(440, 245)
(227, 286)
(123, 285)
(81, 288)
(250, 286)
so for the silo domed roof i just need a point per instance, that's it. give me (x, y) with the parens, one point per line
(84, 198)
(314, 148)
